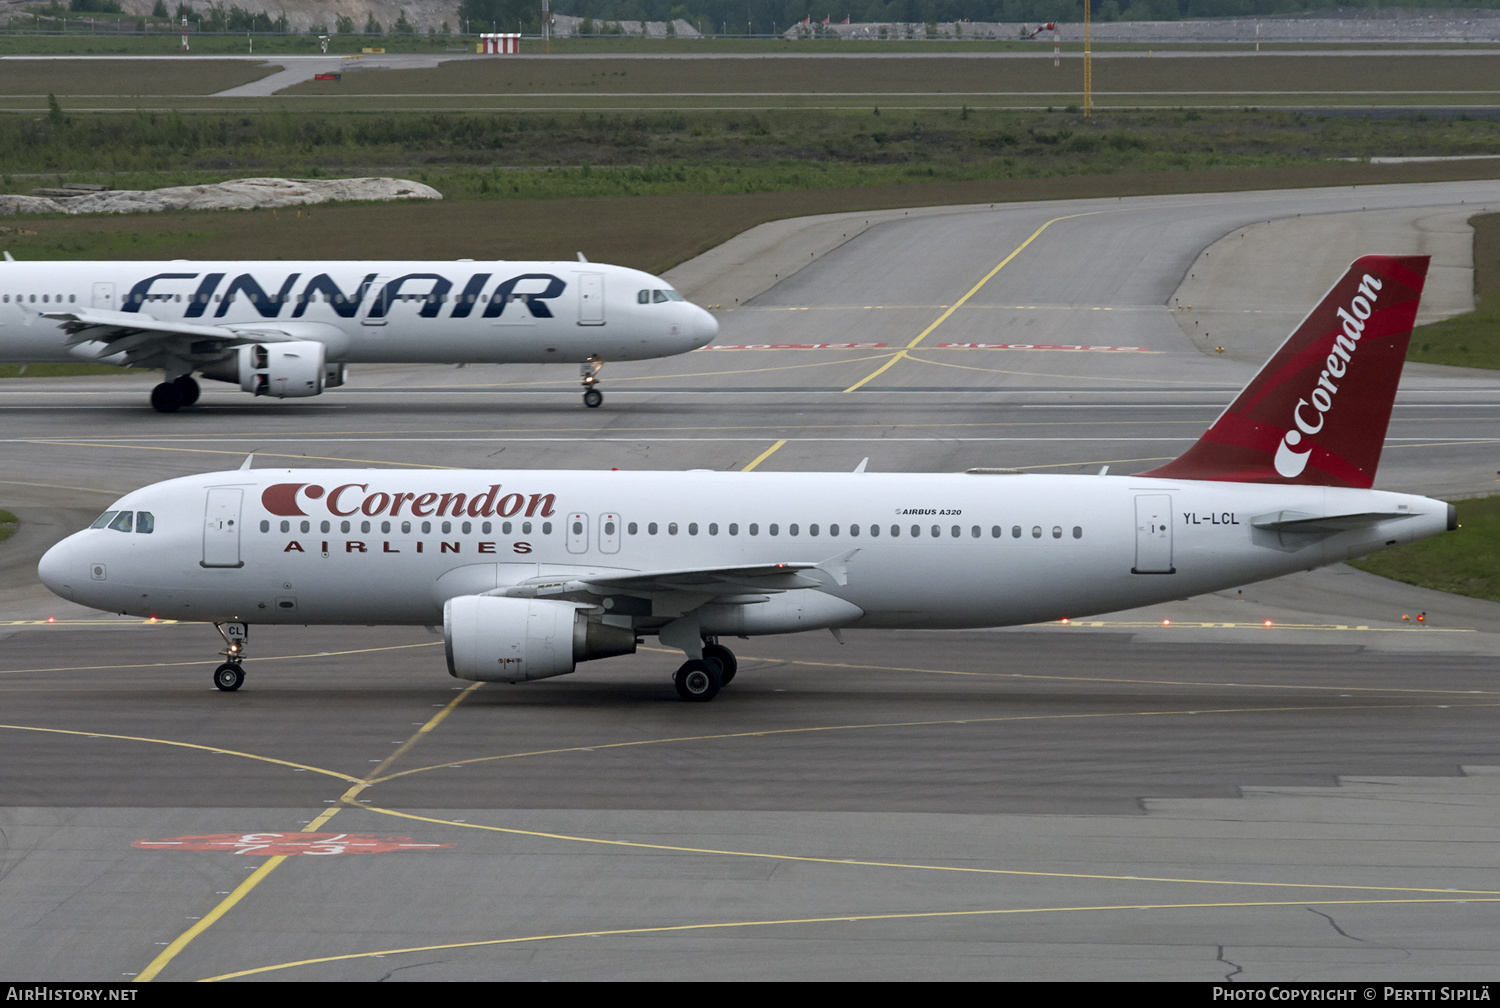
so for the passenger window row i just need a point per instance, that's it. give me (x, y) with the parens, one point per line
(752, 529)
(834, 531)
(46, 298)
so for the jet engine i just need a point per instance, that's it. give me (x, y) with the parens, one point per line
(495, 639)
(283, 370)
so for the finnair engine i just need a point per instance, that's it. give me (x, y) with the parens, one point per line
(496, 639)
(288, 370)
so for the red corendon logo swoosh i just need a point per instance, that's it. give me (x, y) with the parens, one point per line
(281, 498)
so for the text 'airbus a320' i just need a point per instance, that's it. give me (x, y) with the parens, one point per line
(531, 572)
(287, 329)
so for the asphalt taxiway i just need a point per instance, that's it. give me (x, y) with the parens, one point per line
(1182, 792)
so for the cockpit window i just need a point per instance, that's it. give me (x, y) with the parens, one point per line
(145, 522)
(123, 521)
(104, 519)
(657, 296)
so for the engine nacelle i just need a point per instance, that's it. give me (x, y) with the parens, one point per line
(496, 639)
(283, 370)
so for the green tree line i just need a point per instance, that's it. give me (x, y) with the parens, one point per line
(766, 16)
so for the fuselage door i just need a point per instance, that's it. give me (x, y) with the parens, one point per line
(1153, 534)
(377, 306)
(221, 527)
(591, 299)
(104, 296)
(578, 533)
(609, 533)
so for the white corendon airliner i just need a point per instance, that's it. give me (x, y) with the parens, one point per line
(530, 572)
(287, 329)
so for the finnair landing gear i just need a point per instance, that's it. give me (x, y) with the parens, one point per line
(188, 387)
(592, 397)
(166, 398)
(728, 665)
(171, 396)
(698, 680)
(230, 676)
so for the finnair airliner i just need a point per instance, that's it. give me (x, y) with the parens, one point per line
(287, 329)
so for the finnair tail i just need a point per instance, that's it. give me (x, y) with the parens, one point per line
(1317, 412)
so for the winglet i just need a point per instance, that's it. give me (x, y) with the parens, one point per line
(1317, 412)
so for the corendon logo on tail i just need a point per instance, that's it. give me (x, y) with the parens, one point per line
(290, 499)
(1309, 413)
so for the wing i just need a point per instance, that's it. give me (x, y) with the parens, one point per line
(140, 340)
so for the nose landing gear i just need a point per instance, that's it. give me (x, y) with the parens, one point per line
(589, 371)
(230, 676)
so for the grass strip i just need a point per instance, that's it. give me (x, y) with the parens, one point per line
(1472, 339)
(1466, 562)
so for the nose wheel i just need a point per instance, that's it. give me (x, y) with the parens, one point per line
(592, 397)
(230, 676)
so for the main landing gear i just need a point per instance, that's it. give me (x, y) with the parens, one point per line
(592, 397)
(171, 396)
(230, 676)
(700, 679)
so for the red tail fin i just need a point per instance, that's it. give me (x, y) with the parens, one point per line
(1317, 412)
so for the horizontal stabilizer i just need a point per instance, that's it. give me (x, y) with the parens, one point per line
(1300, 521)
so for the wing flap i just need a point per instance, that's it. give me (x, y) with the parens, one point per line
(713, 580)
(673, 588)
(97, 333)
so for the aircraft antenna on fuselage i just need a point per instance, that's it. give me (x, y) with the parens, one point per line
(581, 258)
(248, 459)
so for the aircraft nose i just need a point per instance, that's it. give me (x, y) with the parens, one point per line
(704, 328)
(57, 570)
